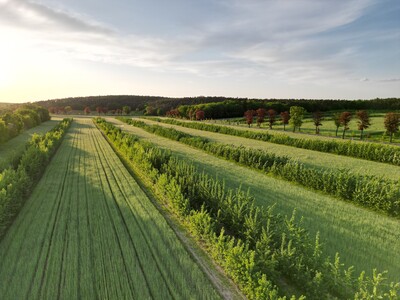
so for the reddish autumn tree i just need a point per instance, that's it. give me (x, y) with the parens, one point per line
(173, 113)
(392, 123)
(271, 117)
(248, 115)
(199, 115)
(285, 119)
(317, 118)
(52, 110)
(261, 112)
(86, 110)
(363, 121)
(345, 118)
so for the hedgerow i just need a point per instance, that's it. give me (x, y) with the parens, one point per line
(257, 248)
(17, 184)
(373, 192)
(364, 150)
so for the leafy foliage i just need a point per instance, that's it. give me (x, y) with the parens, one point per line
(16, 184)
(370, 151)
(368, 191)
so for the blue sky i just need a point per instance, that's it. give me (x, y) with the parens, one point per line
(347, 49)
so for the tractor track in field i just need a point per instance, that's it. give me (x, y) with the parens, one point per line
(88, 232)
(134, 208)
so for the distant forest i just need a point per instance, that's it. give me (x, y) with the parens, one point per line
(216, 107)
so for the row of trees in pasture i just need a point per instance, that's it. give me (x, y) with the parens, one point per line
(256, 247)
(24, 117)
(296, 116)
(370, 151)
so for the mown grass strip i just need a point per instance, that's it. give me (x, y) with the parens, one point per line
(369, 151)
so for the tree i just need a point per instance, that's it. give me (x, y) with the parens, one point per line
(3, 131)
(363, 121)
(336, 120)
(317, 118)
(392, 122)
(68, 109)
(261, 112)
(86, 110)
(99, 110)
(150, 110)
(296, 116)
(249, 114)
(271, 117)
(199, 115)
(126, 109)
(345, 118)
(285, 119)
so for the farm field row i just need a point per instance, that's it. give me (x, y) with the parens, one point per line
(89, 231)
(14, 148)
(308, 157)
(363, 238)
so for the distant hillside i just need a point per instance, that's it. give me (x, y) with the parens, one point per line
(161, 105)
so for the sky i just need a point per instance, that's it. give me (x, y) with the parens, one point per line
(320, 49)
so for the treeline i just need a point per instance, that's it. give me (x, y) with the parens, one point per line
(368, 191)
(24, 117)
(261, 251)
(214, 107)
(155, 105)
(369, 151)
(17, 184)
(236, 108)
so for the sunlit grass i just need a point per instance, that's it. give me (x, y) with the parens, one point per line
(363, 238)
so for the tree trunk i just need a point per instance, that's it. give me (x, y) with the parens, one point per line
(391, 136)
(361, 136)
(344, 131)
(284, 129)
(337, 129)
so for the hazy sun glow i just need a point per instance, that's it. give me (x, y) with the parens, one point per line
(299, 49)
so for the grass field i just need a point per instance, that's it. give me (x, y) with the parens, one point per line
(364, 239)
(14, 148)
(88, 231)
(309, 157)
(375, 133)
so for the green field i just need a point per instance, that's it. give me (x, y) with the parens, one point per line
(364, 239)
(308, 157)
(13, 149)
(375, 133)
(89, 231)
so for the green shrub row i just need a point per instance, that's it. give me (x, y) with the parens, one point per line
(17, 184)
(257, 248)
(364, 150)
(368, 191)
(25, 117)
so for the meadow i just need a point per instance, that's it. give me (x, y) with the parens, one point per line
(375, 133)
(89, 231)
(363, 238)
